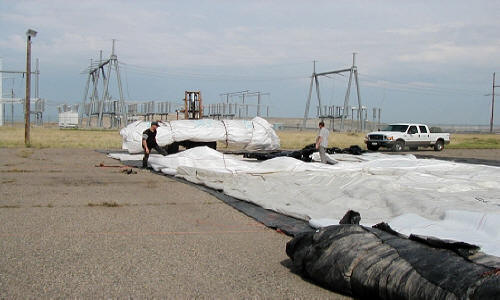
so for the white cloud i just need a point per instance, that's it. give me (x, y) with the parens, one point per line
(414, 41)
(157, 34)
(425, 29)
(448, 52)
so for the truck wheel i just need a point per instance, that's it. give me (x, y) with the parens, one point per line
(398, 146)
(372, 148)
(439, 145)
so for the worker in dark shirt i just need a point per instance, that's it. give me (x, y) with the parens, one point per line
(149, 143)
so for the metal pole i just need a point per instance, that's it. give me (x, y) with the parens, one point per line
(361, 123)
(95, 96)
(492, 104)
(317, 94)
(12, 107)
(308, 103)
(258, 104)
(346, 102)
(82, 110)
(37, 79)
(105, 91)
(243, 97)
(91, 102)
(374, 117)
(123, 113)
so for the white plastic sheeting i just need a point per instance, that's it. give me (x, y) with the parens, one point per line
(421, 196)
(256, 134)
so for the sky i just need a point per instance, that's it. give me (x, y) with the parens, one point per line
(419, 61)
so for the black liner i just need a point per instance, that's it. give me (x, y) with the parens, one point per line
(370, 263)
(304, 154)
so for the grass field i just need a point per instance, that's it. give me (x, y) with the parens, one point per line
(298, 139)
(290, 139)
(61, 138)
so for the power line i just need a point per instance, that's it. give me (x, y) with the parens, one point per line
(411, 87)
(374, 80)
(203, 76)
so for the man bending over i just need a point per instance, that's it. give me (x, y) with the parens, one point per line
(149, 143)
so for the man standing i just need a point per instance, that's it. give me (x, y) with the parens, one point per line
(149, 143)
(322, 141)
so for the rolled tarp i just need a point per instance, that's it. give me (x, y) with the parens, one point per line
(378, 263)
(256, 134)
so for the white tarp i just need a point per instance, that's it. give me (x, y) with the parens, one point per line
(422, 196)
(256, 134)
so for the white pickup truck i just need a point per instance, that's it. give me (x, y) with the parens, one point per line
(398, 136)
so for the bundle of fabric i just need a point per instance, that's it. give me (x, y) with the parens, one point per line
(256, 134)
(379, 263)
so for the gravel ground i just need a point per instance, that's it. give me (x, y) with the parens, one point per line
(72, 230)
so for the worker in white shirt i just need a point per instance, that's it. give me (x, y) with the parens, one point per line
(322, 141)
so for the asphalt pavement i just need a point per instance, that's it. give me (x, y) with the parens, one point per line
(69, 229)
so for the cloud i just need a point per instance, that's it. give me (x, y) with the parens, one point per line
(417, 43)
(448, 52)
(14, 42)
(166, 35)
(425, 29)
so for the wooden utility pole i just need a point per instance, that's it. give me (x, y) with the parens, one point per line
(30, 33)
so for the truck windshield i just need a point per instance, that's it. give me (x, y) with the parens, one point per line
(400, 128)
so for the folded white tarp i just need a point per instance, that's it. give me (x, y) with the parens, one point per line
(422, 196)
(256, 134)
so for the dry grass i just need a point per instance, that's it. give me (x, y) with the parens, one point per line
(61, 138)
(298, 139)
(474, 141)
(290, 139)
